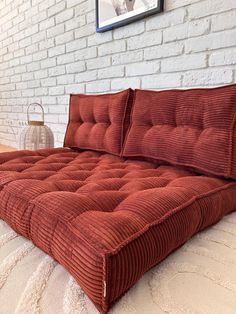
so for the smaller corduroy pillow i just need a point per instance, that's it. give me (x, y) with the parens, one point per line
(193, 128)
(98, 122)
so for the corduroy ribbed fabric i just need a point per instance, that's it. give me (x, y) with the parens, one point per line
(194, 128)
(107, 220)
(99, 122)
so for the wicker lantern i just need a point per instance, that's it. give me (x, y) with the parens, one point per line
(36, 135)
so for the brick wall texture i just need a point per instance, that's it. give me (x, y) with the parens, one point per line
(49, 49)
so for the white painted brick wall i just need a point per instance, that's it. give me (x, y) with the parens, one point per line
(49, 49)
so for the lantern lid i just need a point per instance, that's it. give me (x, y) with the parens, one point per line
(35, 122)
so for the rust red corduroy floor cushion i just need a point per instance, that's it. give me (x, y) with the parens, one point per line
(105, 219)
(108, 219)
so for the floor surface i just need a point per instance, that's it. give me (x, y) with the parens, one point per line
(4, 148)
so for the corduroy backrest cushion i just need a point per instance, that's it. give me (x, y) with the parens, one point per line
(193, 128)
(98, 122)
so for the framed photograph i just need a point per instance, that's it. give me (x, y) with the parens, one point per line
(115, 13)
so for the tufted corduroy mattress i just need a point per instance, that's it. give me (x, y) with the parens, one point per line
(106, 219)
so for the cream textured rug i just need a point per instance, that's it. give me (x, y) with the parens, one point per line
(199, 278)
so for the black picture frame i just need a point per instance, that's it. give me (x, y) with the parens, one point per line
(99, 28)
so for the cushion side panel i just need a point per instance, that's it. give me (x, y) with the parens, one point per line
(140, 253)
(51, 231)
(232, 161)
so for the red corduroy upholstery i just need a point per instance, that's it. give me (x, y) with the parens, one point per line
(194, 128)
(106, 219)
(98, 122)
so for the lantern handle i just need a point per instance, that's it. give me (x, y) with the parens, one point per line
(33, 104)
